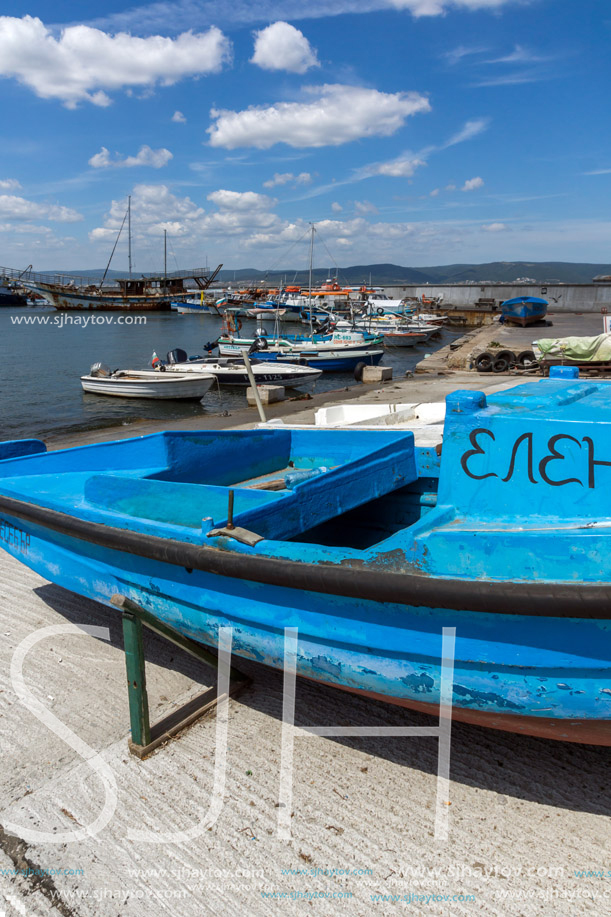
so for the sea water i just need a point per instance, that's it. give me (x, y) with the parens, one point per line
(43, 353)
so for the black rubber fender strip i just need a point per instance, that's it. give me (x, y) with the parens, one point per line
(541, 599)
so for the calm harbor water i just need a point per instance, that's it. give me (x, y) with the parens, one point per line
(40, 365)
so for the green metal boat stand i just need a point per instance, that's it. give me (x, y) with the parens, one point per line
(145, 738)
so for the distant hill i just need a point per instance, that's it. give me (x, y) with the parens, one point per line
(395, 275)
(508, 271)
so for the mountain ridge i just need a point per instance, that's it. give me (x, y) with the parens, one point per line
(397, 275)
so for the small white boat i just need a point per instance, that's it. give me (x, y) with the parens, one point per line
(229, 371)
(425, 419)
(132, 383)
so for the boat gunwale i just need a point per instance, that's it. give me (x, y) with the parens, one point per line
(543, 599)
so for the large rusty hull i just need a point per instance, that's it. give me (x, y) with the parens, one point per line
(67, 300)
(536, 675)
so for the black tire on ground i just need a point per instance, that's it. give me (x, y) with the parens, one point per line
(358, 371)
(500, 366)
(508, 355)
(483, 362)
(526, 357)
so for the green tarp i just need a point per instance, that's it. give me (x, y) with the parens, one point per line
(584, 350)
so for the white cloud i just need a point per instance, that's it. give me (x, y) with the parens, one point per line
(519, 55)
(192, 14)
(336, 207)
(179, 118)
(593, 172)
(469, 130)
(83, 62)
(334, 114)
(363, 207)
(18, 208)
(434, 192)
(144, 157)
(462, 51)
(283, 47)
(241, 200)
(9, 184)
(514, 79)
(153, 208)
(283, 178)
(472, 184)
(438, 7)
(495, 227)
(402, 167)
(450, 187)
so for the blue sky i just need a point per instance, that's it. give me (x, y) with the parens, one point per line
(417, 132)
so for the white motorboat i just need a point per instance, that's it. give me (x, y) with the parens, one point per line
(133, 383)
(228, 371)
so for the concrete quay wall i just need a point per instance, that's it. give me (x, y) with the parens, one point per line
(562, 297)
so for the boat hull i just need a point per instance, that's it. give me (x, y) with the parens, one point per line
(383, 650)
(265, 374)
(344, 360)
(78, 301)
(524, 310)
(191, 388)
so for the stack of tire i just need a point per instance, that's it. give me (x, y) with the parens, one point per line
(503, 361)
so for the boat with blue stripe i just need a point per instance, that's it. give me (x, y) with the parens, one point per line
(366, 543)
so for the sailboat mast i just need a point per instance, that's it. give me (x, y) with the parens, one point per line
(310, 280)
(165, 260)
(129, 232)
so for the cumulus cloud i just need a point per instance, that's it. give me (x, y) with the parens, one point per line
(472, 184)
(83, 62)
(283, 47)
(495, 227)
(179, 118)
(434, 192)
(241, 200)
(153, 208)
(334, 114)
(336, 207)
(144, 157)
(402, 167)
(9, 184)
(18, 208)
(284, 178)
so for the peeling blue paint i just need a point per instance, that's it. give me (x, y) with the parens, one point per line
(520, 501)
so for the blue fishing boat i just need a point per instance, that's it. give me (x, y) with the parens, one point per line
(365, 543)
(524, 310)
(345, 360)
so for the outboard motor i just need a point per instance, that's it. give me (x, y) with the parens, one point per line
(100, 369)
(177, 356)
